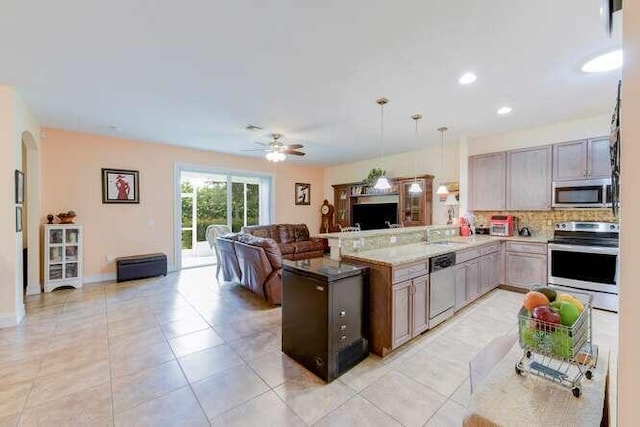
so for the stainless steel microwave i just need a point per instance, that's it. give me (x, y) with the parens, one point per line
(591, 193)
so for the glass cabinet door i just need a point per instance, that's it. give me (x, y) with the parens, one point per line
(343, 200)
(55, 237)
(411, 203)
(71, 235)
(71, 270)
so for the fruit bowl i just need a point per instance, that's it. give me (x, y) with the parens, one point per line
(66, 218)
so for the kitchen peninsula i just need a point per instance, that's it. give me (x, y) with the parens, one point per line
(403, 291)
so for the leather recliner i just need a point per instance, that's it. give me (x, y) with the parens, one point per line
(260, 263)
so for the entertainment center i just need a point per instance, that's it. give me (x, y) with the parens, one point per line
(361, 203)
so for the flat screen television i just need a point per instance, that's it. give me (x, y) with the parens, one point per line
(373, 216)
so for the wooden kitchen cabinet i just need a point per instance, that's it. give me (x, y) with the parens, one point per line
(583, 159)
(489, 272)
(529, 179)
(401, 306)
(526, 264)
(477, 272)
(410, 301)
(598, 158)
(415, 208)
(420, 305)
(488, 179)
(467, 282)
(342, 204)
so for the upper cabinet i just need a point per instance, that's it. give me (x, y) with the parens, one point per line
(529, 179)
(415, 208)
(488, 178)
(584, 159)
(342, 204)
(598, 158)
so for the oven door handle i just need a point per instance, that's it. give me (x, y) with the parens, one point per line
(586, 249)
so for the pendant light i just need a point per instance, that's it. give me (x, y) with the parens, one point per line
(382, 183)
(415, 187)
(442, 189)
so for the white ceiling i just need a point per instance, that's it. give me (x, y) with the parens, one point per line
(195, 72)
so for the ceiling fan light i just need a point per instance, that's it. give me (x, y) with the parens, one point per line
(382, 183)
(442, 190)
(275, 156)
(415, 188)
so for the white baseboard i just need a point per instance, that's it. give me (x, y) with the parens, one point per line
(95, 278)
(9, 320)
(34, 289)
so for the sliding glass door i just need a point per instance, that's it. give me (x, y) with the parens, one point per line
(218, 199)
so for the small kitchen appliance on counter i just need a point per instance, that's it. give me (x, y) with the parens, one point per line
(584, 256)
(501, 225)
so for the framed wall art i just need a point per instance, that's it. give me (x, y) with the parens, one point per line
(120, 186)
(19, 187)
(303, 194)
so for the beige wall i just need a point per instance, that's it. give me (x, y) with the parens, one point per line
(15, 119)
(72, 181)
(427, 161)
(628, 369)
(542, 135)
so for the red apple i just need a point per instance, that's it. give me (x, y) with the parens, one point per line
(545, 314)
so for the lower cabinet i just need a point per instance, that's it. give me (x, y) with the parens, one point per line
(467, 282)
(526, 264)
(489, 272)
(478, 276)
(410, 302)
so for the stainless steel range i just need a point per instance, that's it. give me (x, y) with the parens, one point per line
(585, 256)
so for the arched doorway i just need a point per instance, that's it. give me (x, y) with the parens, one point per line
(31, 215)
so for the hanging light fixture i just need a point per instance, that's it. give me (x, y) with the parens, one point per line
(442, 189)
(382, 183)
(415, 187)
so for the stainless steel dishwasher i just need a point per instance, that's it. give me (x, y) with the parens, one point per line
(442, 289)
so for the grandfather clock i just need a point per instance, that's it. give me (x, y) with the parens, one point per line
(327, 225)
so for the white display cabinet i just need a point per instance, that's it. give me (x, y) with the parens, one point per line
(63, 256)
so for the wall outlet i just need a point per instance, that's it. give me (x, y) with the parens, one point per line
(549, 222)
(357, 244)
(109, 258)
(393, 239)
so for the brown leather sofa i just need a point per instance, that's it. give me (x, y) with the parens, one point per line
(254, 257)
(260, 263)
(292, 239)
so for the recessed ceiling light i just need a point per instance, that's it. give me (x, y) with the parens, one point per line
(252, 128)
(115, 128)
(607, 62)
(504, 110)
(467, 78)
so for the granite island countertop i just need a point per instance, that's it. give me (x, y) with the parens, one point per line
(403, 254)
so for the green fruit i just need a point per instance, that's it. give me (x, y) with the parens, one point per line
(568, 312)
(548, 292)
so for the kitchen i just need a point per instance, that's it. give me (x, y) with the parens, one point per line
(399, 258)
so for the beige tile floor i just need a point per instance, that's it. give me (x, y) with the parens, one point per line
(186, 350)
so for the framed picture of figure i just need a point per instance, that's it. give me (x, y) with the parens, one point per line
(120, 186)
(303, 194)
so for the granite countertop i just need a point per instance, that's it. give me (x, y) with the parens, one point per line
(403, 254)
(382, 231)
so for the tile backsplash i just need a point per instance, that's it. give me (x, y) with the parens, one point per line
(541, 222)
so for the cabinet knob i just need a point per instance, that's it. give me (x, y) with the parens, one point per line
(343, 338)
(343, 327)
(343, 313)
(584, 173)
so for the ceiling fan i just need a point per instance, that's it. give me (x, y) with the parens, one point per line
(276, 151)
